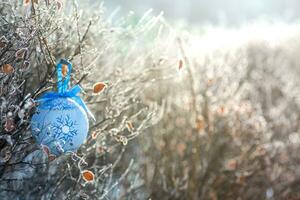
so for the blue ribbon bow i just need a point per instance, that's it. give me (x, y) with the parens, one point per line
(62, 87)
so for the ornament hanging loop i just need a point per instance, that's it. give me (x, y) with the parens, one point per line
(63, 82)
(63, 88)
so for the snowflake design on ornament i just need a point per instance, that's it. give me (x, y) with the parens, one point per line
(64, 128)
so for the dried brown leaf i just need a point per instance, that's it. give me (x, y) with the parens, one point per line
(88, 175)
(95, 134)
(7, 69)
(99, 87)
(129, 126)
(21, 53)
(26, 2)
(9, 125)
(64, 70)
(46, 149)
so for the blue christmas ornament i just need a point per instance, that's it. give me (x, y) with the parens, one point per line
(61, 119)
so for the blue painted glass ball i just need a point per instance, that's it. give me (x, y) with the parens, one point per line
(61, 124)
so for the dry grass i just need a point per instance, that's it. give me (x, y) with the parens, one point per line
(216, 113)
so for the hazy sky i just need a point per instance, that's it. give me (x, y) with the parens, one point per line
(229, 12)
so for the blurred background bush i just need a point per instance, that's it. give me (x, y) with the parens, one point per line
(227, 12)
